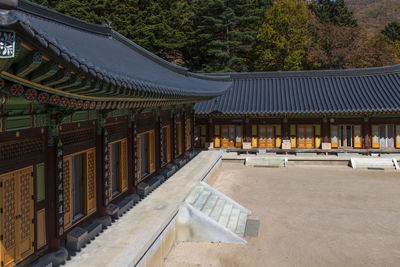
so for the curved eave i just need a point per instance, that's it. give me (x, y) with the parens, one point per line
(131, 86)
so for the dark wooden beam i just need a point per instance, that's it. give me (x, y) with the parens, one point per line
(28, 64)
(45, 71)
(86, 84)
(61, 77)
(75, 81)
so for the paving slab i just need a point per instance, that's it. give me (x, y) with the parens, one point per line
(125, 242)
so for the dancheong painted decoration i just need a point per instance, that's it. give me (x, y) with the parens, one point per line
(88, 118)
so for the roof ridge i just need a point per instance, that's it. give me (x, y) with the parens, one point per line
(312, 73)
(50, 14)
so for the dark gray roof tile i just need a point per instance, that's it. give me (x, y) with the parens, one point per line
(337, 91)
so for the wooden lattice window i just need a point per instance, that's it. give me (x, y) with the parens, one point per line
(79, 173)
(118, 168)
(17, 203)
(146, 154)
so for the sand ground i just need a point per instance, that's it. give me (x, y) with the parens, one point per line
(309, 216)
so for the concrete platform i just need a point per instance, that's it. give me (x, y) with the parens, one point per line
(126, 241)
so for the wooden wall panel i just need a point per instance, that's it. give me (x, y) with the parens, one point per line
(41, 228)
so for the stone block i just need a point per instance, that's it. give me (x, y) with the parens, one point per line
(93, 229)
(112, 209)
(52, 259)
(171, 166)
(105, 221)
(59, 257)
(180, 162)
(76, 238)
(168, 172)
(134, 197)
(154, 182)
(124, 205)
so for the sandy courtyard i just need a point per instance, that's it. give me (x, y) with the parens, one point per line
(309, 216)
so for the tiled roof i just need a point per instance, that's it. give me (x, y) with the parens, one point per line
(104, 54)
(306, 92)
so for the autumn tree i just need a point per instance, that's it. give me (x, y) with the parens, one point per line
(333, 12)
(335, 47)
(282, 38)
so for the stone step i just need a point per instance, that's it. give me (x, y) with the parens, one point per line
(241, 224)
(194, 194)
(233, 219)
(216, 212)
(201, 200)
(210, 204)
(225, 214)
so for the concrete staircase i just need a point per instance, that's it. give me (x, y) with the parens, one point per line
(215, 205)
(371, 163)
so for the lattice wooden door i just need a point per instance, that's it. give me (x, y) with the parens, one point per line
(25, 234)
(17, 204)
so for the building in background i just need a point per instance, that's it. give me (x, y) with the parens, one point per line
(318, 111)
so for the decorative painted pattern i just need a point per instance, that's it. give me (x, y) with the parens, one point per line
(106, 169)
(31, 94)
(7, 44)
(17, 89)
(25, 203)
(9, 199)
(43, 98)
(61, 183)
(66, 184)
(91, 175)
(54, 99)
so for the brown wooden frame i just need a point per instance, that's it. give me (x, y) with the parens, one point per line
(123, 168)
(151, 155)
(89, 202)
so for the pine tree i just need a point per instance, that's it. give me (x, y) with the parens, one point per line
(224, 34)
(282, 38)
(159, 26)
(333, 12)
(250, 15)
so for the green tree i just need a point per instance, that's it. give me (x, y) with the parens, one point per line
(159, 26)
(333, 12)
(224, 34)
(392, 31)
(282, 38)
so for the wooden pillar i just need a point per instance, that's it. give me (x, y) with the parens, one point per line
(210, 136)
(192, 125)
(285, 129)
(52, 191)
(247, 130)
(100, 164)
(173, 134)
(131, 152)
(325, 131)
(157, 141)
(367, 134)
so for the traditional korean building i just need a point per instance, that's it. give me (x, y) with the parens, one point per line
(317, 111)
(85, 117)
